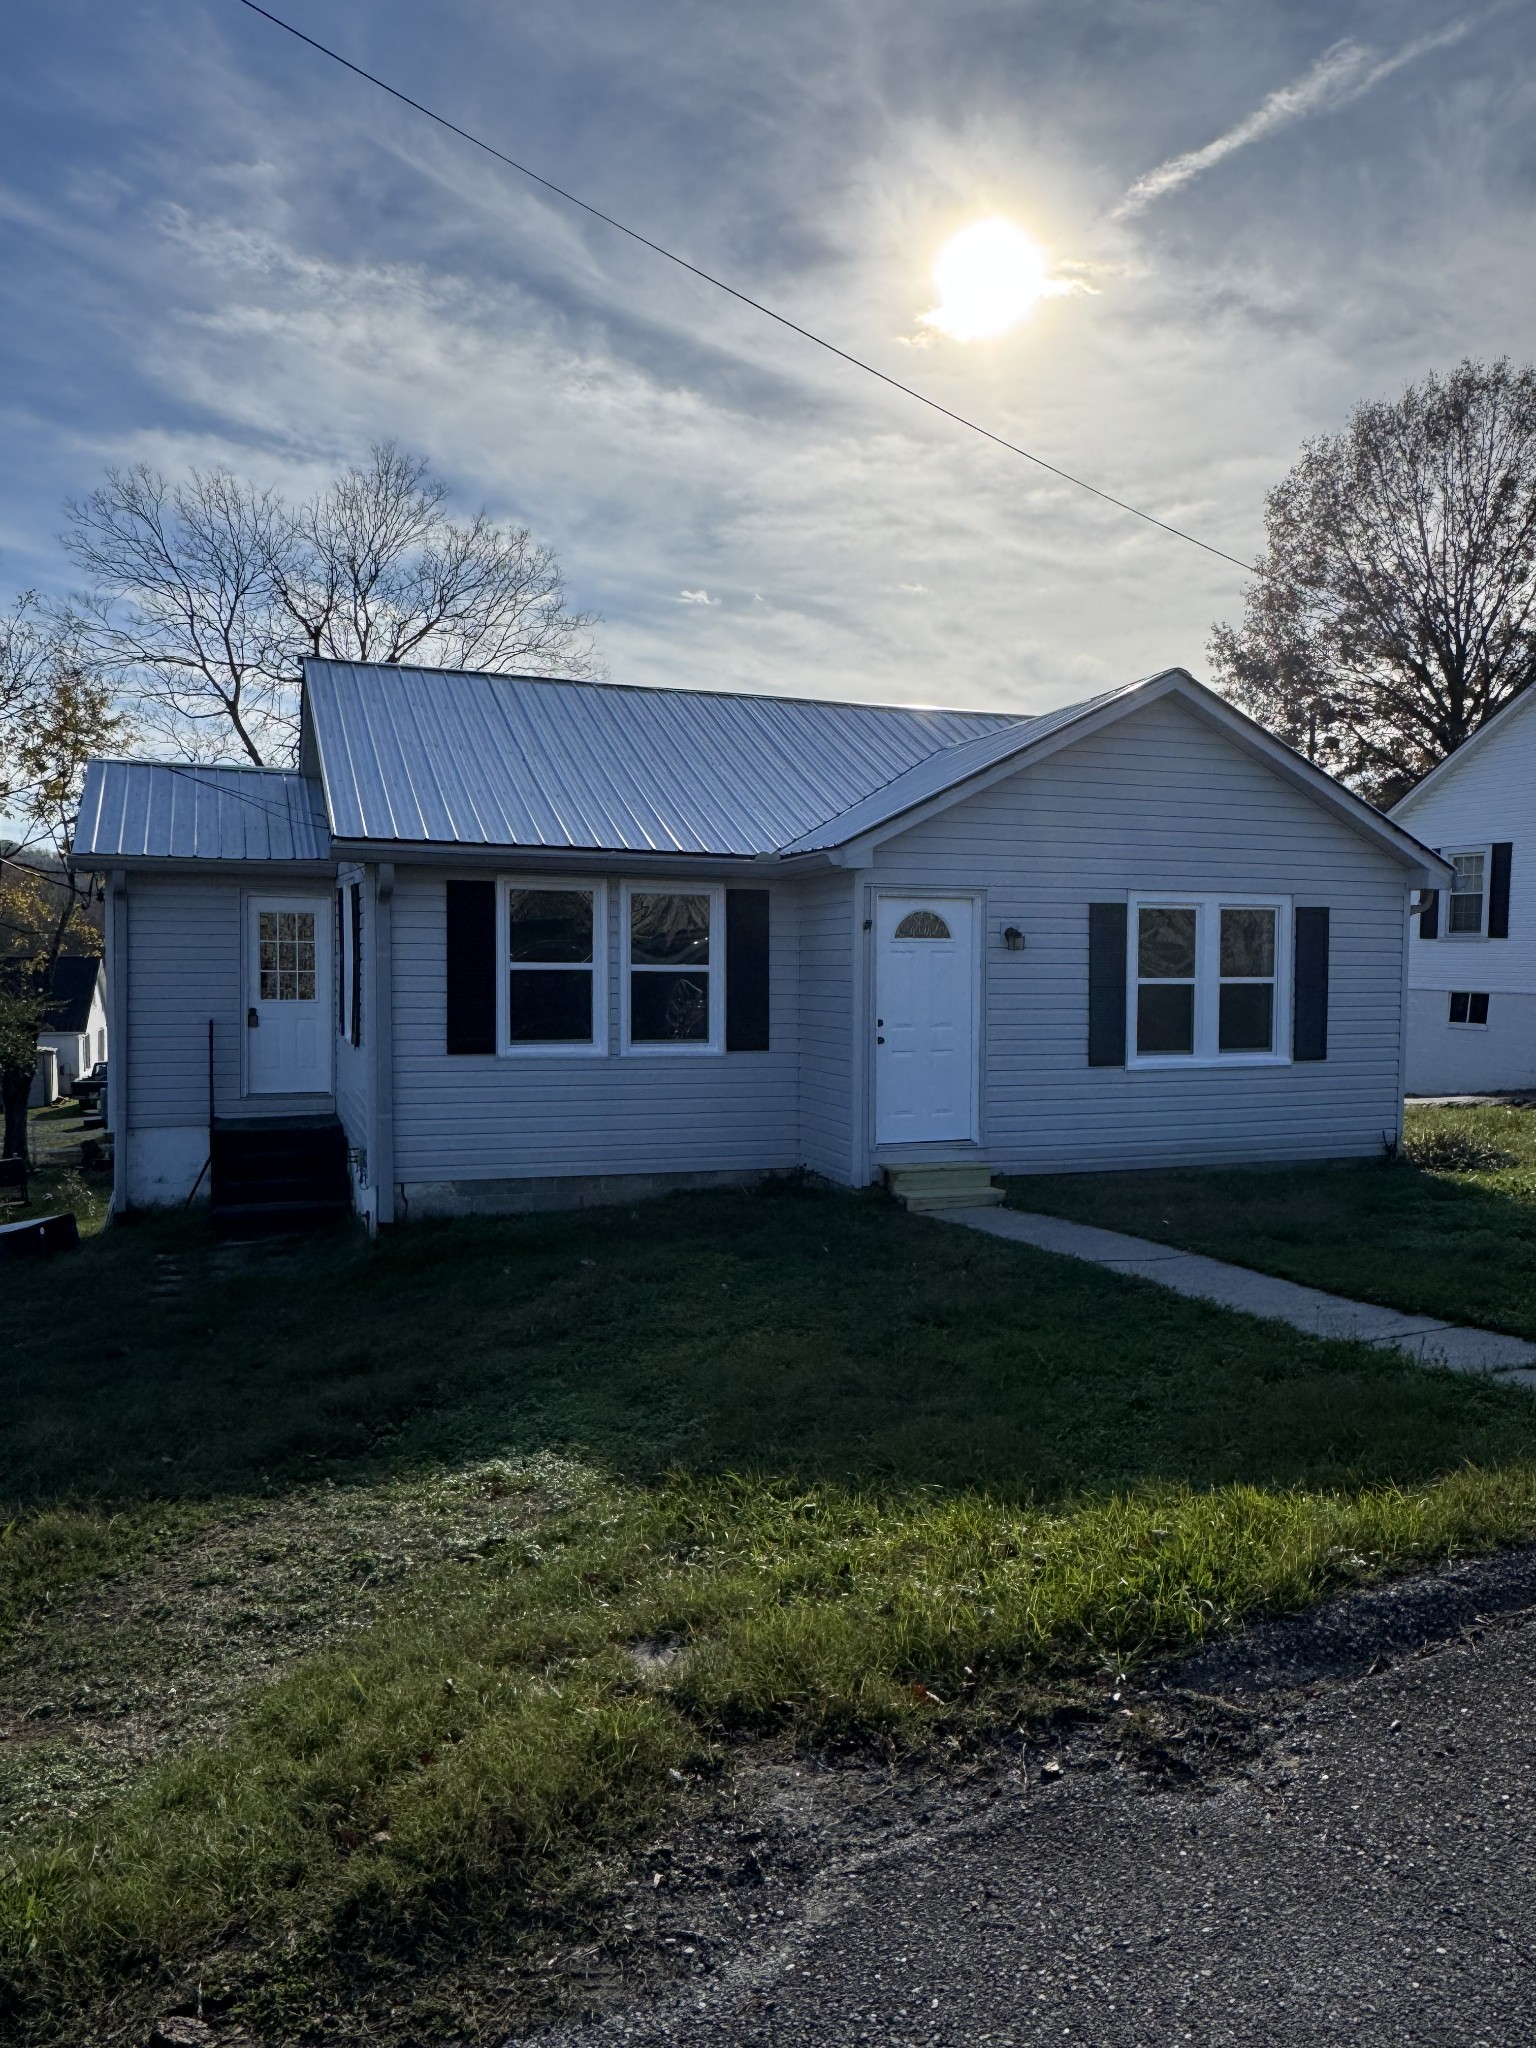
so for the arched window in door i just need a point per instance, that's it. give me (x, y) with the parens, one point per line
(922, 924)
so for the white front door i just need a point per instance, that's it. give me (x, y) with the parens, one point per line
(925, 1019)
(288, 1001)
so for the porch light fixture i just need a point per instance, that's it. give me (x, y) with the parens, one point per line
(1013, 938)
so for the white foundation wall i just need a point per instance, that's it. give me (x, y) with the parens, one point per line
(1161, 802)
(461, 1118)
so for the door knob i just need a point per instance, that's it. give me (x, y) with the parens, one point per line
(252, 1018)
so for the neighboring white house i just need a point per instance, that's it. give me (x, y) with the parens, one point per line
(527, 942)
(77, 1017)
(1472, 961)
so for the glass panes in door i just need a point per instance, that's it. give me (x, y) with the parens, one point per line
(286, 939)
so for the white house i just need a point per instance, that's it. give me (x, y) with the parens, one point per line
(503, 942)
(1472, 960)
(76, 1017)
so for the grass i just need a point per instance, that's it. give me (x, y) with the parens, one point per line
(58, 1181)
(571, 1511)
(1448, 1229)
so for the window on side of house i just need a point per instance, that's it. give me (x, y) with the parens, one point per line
(673, 969)
(1467, 906)
(1206, 980)
(1469, 1006)
(553, 995)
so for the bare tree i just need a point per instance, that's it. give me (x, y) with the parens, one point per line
(1394, 608)
(55, 713)
(205, 595)
(375, 570)
(179, 609)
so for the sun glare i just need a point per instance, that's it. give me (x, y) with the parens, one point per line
(989, 276)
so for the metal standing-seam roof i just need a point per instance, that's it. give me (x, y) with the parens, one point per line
(434, 756)
(161, 810)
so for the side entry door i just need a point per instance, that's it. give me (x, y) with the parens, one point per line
(288, 1000)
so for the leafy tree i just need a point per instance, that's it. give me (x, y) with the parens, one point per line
(1394, 608)
(55, 713)
(203, 595)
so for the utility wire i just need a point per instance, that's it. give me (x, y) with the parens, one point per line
(744, 298)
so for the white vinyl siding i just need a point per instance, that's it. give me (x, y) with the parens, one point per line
(1161, 805)
(482, 1117)
(828, 1129)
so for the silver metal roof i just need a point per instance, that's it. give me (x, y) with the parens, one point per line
(429, 756)
(160, 810)
(942, 771)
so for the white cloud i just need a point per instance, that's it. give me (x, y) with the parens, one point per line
(1341, 75)
(696, 597)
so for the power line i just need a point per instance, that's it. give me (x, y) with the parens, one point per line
(744, 298)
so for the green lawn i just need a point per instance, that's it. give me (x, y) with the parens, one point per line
(374, 1592)
(1411, 1232)
(57, 1180)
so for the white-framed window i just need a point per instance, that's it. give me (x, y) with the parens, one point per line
(1469, 1006)
(1206, 980)
(552, 946)
(1466, 902)
(671, 969)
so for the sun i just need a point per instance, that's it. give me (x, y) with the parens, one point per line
(989, 276)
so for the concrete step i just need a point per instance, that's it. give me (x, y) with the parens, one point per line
(957, 1185)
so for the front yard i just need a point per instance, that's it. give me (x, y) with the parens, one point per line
(1448, 1229)
(359, 1605)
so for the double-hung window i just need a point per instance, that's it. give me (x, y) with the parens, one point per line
(553, 995)
(1204, 981)
(673, 969)
(1466, 915)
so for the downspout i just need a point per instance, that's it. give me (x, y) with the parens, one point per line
(381, 1137)
(1402, 1018)
(117, 1050)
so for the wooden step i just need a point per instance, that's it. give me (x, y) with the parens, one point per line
(946, 1185)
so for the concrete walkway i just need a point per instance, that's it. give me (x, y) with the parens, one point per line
(1261, 1294)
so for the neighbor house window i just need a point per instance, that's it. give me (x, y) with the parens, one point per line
(673, 984)
(1204, 980)
(1468, 1007)
(553, 988)
(1468, 892)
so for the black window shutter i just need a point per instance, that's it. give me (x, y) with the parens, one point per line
(1106, 984)
(471, 930)
(357, 963)
(1309, 1028)
(1498, 890)
(341, 963)
(746, 970)
(1429, 913)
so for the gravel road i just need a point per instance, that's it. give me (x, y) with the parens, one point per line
(1323, 1833)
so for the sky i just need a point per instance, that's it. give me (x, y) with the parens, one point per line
(218, 248)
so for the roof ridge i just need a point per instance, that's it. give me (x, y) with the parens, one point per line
(495, 675)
